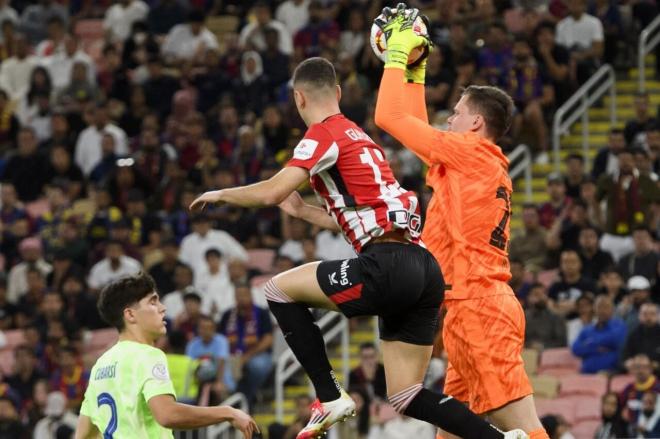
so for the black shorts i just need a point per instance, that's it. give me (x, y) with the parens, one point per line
(400, 283)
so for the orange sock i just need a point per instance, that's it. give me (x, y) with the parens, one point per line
(538, 434)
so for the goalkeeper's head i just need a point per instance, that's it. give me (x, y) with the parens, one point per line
(315, 90)
(482, 109)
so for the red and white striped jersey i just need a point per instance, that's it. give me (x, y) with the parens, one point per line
(350, 173)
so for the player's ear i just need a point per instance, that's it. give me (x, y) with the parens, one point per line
(338, 92)
(299, 98)
(129, 314)
(477, 122)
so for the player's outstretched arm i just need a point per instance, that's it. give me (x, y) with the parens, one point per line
(295, 206)
(85, 429)
(174, 415)
(265, 193)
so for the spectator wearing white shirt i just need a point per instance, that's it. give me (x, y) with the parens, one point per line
(582, 35)
(88, 148)
(253, 37)
(173, 300)
(114, 266)
(331, 246)
(189, 41)
(294, 14)
(119, 18)
(32, 255)
(61, 63)
(194, 246)
(15, 72)
(214, 285)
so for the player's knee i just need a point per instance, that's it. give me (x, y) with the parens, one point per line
(402, 399)
(276, 294)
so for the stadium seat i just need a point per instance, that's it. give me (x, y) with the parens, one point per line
(545, 386)
(560, 406)
(7, 360)
(592, 385)
(261, 259)
(14, 338)
(531, 360)
(587, 408)
(585, 429)
(558, 362)
(547, 277)
(222, 24)
(102, 339)
(619, 382)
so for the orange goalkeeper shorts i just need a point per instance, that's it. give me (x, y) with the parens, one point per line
(484, 339)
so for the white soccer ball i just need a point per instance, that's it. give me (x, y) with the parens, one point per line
(379, 43)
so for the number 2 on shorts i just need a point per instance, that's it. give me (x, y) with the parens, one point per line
(106, 398)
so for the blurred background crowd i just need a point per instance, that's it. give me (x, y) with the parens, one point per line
(115, 114)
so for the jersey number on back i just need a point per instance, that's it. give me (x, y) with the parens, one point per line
(106, 398)
(497, 237)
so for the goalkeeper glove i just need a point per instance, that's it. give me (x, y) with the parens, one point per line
(399, 34)
(416, 72)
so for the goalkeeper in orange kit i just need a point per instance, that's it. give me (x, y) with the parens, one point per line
(466, 229)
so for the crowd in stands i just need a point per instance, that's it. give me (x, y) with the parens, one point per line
(115, 114)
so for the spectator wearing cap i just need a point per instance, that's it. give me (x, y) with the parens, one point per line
(594, 260)
(250, 333)
(119, 19)
(628, 196)
(89, 151)
(599, 345)
(572, 284)
(115, 266)
(645, 338)
(641, 368)
(214, 285)
(582, 35)
(27, 169)
(529, 246)
(58, 418)
(32, 256)
(643, 260)
(550, 210)
(252, 35)
(7, 310)
(607, 159)
(62, 169)
(185, 42)
(544, 328)
(194, 246)
(639, 293)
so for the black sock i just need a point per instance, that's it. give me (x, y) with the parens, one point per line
(450, 415)
(305, 340)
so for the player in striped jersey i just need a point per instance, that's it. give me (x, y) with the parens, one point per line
(467, 230)
(392, 276)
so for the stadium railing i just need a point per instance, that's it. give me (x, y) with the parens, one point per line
(332, 326)
(648, 40)
(520, 163)
(218, 431)
(577, 107)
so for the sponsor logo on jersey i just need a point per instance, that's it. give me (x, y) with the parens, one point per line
(343, 273)
(333, 278)
(305, 149)
(159, 372)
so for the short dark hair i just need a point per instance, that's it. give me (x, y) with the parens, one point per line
(212, 252)
(317, 72)
(367, 345)
(494, 105)
(575, 156)
(122, 293)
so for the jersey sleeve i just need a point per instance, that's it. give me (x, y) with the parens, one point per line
(87, 407)
(155, 375)
(316, 152)
(432, 145)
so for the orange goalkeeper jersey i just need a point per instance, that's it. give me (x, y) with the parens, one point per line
(467, 221)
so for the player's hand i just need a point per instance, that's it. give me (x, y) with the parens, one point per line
(244, 423)
(416, 72)
(293, 204)
(210, 197)
(398, 30)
